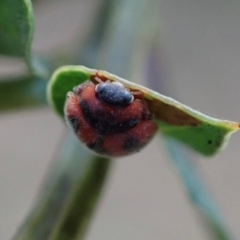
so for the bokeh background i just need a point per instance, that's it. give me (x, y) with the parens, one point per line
(144, 197)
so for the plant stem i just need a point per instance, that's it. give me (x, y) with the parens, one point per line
(69, 195)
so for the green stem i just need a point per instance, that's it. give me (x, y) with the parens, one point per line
(69, 195)
(197, 191)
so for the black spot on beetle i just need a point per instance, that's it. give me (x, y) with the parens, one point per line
(87, 113)
(75, 124)
(131, 143)
(97, 146)
(104, 123)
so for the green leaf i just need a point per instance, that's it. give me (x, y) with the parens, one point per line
(207, 137)
(205, 134)
(16, 27)
(63, 81)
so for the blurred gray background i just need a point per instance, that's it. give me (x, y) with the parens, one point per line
(144, 197)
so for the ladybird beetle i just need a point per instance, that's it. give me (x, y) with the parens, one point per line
(108, 118)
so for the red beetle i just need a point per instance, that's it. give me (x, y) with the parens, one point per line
(108, 118)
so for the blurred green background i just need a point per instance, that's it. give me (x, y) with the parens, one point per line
(143, 197)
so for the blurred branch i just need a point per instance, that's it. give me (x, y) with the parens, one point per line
(26, 91)
(22, 93)
(68, 197)
(91, 49)
(125, 26)
(198, 193)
